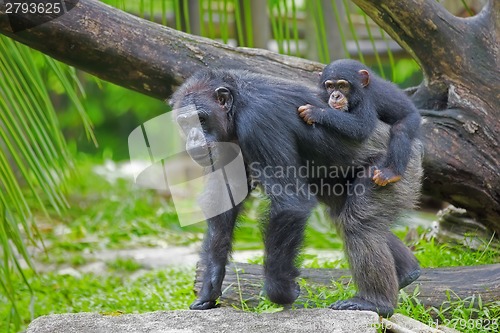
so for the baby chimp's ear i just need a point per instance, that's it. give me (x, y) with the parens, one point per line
(365, 77)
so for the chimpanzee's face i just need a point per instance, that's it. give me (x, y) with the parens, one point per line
(338, 91)
(202, 114)
(343, 84)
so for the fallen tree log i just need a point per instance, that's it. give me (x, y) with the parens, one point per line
(436, 285)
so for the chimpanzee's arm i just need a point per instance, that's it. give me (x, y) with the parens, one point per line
(357, 124)
(405, 120)
(402, 133)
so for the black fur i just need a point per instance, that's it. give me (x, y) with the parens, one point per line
(380, 99)
(263, 121)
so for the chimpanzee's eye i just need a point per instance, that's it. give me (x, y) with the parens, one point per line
(343, 85)
(329, 85)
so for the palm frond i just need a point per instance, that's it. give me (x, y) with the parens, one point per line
(34, 159)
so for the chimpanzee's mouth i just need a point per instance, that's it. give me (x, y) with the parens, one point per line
(339, 105)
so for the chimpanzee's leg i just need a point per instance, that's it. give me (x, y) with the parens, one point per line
(373, 269)
(364, 225)
(283, 239)
(214, 256)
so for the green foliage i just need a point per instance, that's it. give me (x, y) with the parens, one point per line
(111, 215)
(430, 253)
(124, 264)
(323, 296)
(115, 113)
(102, 216)
(466, 315)
(33, 154)
(406, 73)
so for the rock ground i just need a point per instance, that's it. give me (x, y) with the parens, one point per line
(222, 320)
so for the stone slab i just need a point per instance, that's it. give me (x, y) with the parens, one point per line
(222, 320)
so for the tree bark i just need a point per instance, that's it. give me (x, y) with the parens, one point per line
(459, 98)
(139, 54)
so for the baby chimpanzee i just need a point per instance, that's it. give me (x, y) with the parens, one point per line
(349, 86)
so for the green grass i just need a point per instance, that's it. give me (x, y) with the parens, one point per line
(167, 289)
(466, 315)
(430, 253)
(124, 265)
(104, 216)
(111, 216)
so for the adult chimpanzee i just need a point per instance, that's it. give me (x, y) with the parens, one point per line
(259, 113)
(348, 85)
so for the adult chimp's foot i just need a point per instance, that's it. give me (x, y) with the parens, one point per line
(203, 305)
(358, 303)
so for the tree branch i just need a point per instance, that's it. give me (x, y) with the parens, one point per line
(244, 281)
(403, 21)
(436, 39)
(138, 54)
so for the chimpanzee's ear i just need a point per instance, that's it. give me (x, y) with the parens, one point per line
(365, 77)
(224, 98)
